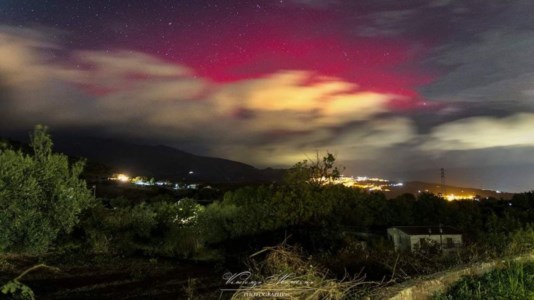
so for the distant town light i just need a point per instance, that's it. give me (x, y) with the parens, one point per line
(141, 182)
(191, 172)
(123, 177)
(453, 197)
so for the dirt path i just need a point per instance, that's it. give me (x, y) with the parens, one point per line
(127, 279)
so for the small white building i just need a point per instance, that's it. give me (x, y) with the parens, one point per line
(412, 238)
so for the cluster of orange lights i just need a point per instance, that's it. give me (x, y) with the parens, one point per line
(453, 197)
(121, 177)
(370, 184)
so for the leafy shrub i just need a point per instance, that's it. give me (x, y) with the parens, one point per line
(514, 281)
(16, 290)
(158, 228)
(41, 196)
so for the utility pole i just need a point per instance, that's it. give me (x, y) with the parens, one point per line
(441, 237)
(443, 188)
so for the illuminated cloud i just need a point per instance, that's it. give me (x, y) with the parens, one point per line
(283, 98)
(284, 90)
(31, 80)
(22, 60)
(380, 133)
(103, 72)
(271, 119)
(370, 141)
(384, 84)
(483, 132)
(96, 87)
(355, 107)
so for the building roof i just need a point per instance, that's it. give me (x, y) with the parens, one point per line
(427, 230)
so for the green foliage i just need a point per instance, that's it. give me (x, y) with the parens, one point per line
(505, 243)
(515, 281)
(307, 199)
(17, 291)
(4, 145)
(41, 196)
(402, 206)
(216, 223)
(430, 209)
(176, 231)
(521, 241)
(157, 228)
(313, 172)
(246, 211)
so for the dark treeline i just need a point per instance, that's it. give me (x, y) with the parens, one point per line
(45, 208)
(140, 221)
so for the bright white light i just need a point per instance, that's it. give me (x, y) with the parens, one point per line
(123, 177)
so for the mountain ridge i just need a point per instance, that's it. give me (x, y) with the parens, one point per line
(105, 156)
(165, 162)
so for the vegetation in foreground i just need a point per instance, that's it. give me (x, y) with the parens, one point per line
(513, 281)
(49, 216)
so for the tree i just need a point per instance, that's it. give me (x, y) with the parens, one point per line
(429, 209)
(41, 196)
(306, 198)
(314, 172)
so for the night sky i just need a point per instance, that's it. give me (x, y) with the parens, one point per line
(397, 89)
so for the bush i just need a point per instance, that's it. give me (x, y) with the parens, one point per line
(159, 228)
(515, 281)
(41, 196)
